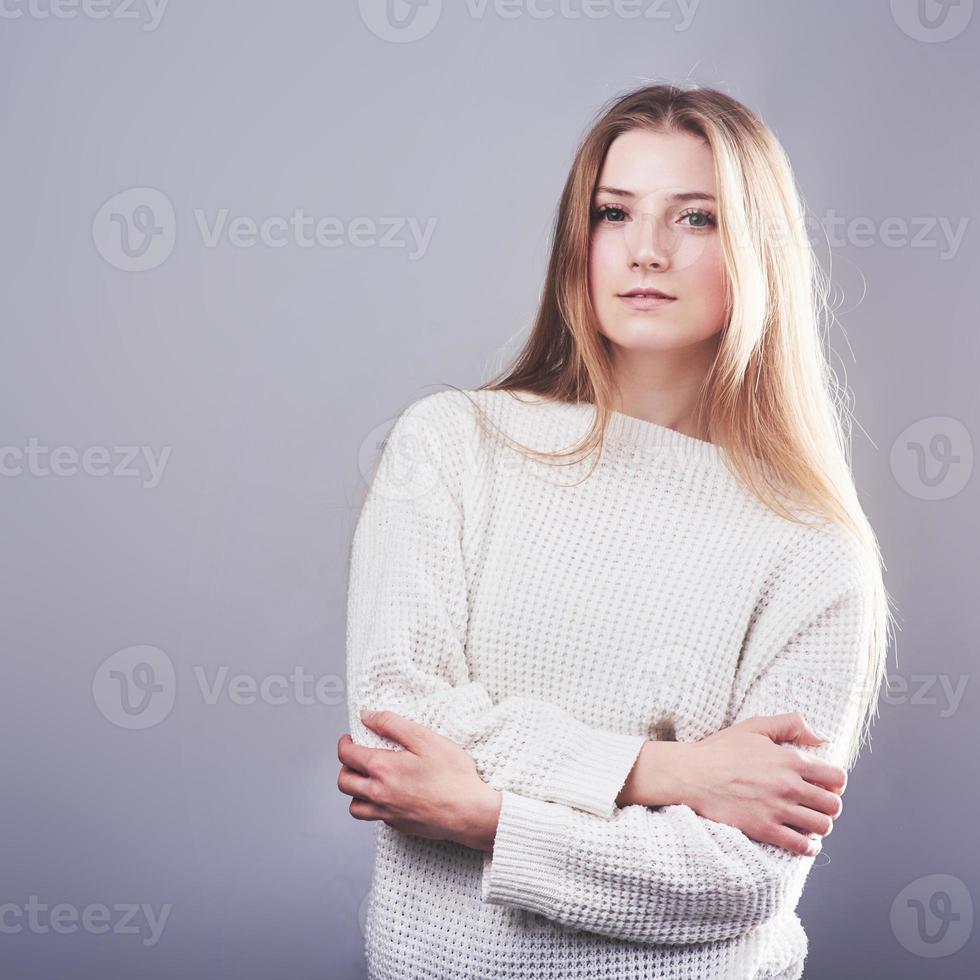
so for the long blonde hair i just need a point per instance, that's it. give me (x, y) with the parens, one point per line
(770, 399)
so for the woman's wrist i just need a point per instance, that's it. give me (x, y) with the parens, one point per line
(657, 777)
(476, 823)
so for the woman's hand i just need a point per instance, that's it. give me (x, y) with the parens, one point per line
(776, 794)
(773, 793)
(429, 789)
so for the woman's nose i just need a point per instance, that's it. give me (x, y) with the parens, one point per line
(648, 242)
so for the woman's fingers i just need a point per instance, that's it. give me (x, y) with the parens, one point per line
(353, 783)
(809, 821)
(365, 810)
(358, 786)
(792, 840)
(356, 756)
(823, 773)
(820, 799)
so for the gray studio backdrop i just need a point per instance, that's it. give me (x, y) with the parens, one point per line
(238, 238)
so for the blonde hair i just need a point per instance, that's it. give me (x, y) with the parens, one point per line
(770, 399)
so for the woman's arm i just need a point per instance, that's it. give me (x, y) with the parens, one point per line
(744, 777)
(670, 875)
(406, 629)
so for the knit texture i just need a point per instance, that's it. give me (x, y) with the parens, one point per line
(550, 621)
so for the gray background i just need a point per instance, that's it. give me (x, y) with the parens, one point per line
(271, 373)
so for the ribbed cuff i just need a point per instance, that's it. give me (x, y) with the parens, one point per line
(527, 865)
(594, 769)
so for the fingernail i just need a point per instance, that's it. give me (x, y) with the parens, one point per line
(821, 736)
(366, 715)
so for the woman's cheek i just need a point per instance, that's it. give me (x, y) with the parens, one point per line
(599, 263)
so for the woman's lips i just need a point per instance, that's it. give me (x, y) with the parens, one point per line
(646, 302)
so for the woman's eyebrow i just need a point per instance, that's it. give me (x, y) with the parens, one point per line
(680, 196)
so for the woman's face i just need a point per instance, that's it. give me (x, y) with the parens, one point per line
(645, 237)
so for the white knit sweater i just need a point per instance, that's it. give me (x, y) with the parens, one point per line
(549, 626)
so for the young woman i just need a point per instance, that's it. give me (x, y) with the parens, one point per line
(620, 614)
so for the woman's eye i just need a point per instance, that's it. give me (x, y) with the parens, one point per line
(705, 218)
(604, 210)
(612, 214)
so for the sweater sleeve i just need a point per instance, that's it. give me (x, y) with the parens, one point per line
(407, 609)
(669, 875)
